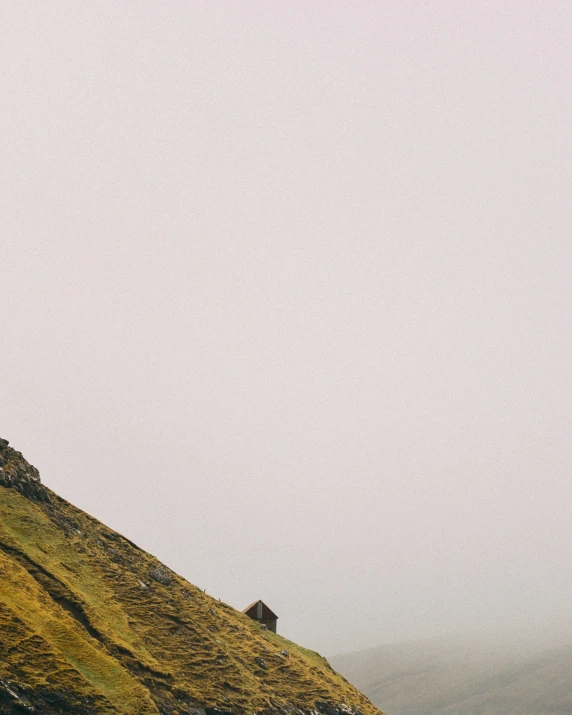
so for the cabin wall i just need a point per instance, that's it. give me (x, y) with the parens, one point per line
(270, 623)
(262, 614)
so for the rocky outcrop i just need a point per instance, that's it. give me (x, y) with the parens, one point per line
(16, 473)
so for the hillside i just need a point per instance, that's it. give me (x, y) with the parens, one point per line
(91, 624)
(456, 677)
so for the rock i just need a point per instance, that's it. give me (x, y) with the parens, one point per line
(22, 705)
(327, 708)
(161, 575)
(17, 474)
(261, 662)
(285, 653)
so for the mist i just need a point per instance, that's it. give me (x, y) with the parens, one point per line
(285, 299)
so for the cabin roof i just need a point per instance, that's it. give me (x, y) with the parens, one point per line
(267, 613)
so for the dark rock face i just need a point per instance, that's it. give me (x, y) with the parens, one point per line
(161, 575)
(16, 699)
(16, 473)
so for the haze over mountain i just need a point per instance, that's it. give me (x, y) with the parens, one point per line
(500, 674)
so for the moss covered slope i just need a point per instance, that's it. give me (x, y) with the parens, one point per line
(90, 623)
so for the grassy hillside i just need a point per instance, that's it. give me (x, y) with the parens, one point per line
(90, 623)
(464, 678)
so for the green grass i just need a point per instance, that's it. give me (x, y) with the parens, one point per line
(74, 619)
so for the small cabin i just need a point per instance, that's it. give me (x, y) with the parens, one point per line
(260, 612)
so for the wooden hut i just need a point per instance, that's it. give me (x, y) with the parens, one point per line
(260, 612)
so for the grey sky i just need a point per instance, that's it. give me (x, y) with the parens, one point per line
(285, 298)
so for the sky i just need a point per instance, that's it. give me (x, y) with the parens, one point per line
(285, 298)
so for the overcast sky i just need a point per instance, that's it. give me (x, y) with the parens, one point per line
(286, 298)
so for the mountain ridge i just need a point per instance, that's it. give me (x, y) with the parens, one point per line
(476, 675)
(90, 623)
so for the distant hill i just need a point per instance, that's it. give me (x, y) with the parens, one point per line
(463, 678)
(92, 625)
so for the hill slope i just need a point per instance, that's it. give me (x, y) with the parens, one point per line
(90, 623)
(463, 678)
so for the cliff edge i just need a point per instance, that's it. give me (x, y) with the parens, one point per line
(92, 625)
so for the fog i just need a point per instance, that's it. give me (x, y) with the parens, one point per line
(285, 299)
